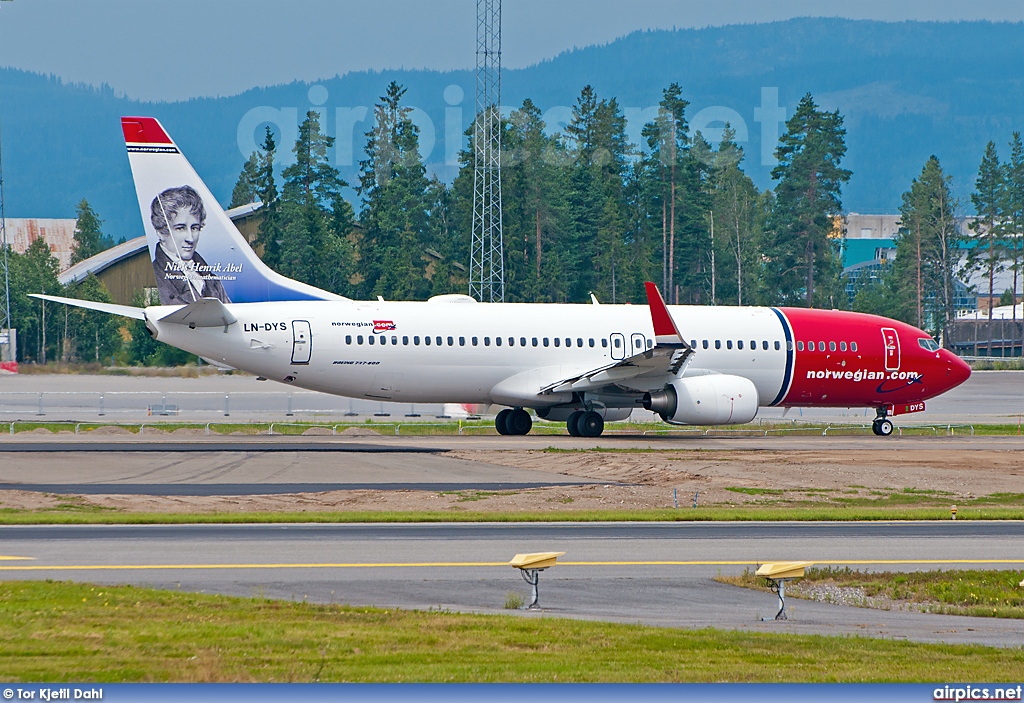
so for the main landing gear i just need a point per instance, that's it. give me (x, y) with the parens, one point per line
(585, 424)
(514, 421)
(882, 426)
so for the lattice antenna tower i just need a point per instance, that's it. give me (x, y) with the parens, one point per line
(487, 260)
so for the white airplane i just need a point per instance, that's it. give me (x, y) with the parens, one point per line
(578, 364)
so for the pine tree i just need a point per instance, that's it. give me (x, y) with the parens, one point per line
(311, 250)
(268, 237)
(928, 252)
(394, 189)
(804, 260)
(989, 200)
(89, 237)
(738, 208)
(1014, 231)
(247, 186)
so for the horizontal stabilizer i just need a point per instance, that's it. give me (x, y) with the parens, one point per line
(205, 312)
(111, 308)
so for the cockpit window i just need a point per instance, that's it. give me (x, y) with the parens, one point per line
(928, 343)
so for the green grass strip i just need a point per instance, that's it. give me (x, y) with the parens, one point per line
(62, 632)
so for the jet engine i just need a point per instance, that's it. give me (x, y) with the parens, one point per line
(716, 399)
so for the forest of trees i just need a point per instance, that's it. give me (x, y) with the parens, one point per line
(585, 212)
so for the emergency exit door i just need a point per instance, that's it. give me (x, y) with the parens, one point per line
(302, 342)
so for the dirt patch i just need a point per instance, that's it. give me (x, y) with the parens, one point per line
(637, 480)
(112, 430)
(359, 432)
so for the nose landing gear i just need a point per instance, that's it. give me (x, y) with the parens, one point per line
(882, 426)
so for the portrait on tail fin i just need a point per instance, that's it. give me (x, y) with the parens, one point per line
(182, 275)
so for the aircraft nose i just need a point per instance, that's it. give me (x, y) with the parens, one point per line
(957, 370)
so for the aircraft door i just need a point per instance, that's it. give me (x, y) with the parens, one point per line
(892, 348)
(618, 346)
(637, 344)
(302, 342)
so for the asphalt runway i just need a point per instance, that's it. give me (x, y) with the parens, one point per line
(654, 573)
(987, 397)
(266, 467)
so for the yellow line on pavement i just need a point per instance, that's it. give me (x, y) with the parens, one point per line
(459, 564)
(3, 558)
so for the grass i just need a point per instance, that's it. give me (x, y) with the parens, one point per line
(486, 427)
(59, 632)
(72, 515)
(956, 592)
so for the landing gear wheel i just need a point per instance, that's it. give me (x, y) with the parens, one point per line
(590, 424)
(501, 421)
(571, 423)
(518, 422)
(882, 427)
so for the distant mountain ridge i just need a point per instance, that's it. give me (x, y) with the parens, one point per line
(907, 90)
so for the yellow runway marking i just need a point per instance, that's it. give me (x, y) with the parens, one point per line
(394, 565)
(3, 558)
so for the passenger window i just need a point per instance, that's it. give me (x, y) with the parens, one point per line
(534, 341)
(821, 346)
(545, 341)
(831, 346)
(383, 340)
(853, 346)
(359, 339)
(718, 344)
(426, 340)
(497, 341)
(511, 341)
(394, 340)
(799, 346)
(487, 341)
(789, 345)
(591, 342)
(650, 343)
(451, 341)
(558, 341)
(522, 342)
(842, 346)
(739, 344)
(474, 341)
(728, 344)
(462, 341)
(579, 342)
(638, 343)
(693, 343)
(604, 342)
(568, 341)
(416, 340)
(705, 344)
(438, 340)
(764, 345)
(370, 340)
(348, 339)
(617, 342)
(753, 345)
(405, 341)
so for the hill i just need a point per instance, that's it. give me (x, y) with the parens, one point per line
(907, 90)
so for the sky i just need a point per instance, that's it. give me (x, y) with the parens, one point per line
(196, 48)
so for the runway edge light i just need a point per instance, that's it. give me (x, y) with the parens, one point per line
(530, 566)
(778, 573)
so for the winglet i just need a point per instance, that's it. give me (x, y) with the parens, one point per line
(665, 330)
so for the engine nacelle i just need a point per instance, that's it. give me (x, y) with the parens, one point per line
(716, 399)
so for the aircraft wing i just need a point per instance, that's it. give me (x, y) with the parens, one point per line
(668, 356)
(111, 308)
